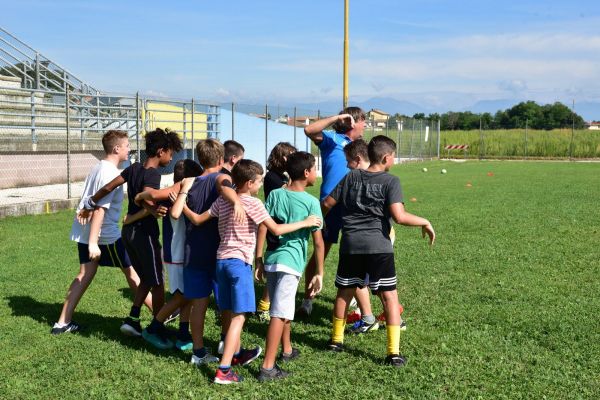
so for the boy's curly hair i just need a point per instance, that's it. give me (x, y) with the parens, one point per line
(162, 139)
(276, 161)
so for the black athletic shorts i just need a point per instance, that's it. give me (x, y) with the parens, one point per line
(111, 255)
(359, 270)
(144, 251)
(333, 224)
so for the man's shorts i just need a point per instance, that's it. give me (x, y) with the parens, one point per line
(236, 286)
(333, 224)
(282, 288)
(198, 282)
(111, 255)
(175, 275)
(144, 251)
(358, 270)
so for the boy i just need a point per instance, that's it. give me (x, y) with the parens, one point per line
(234, 258)
(369, 199)
(349, 125)
(285, 261)
(234, 152)
(99, 243)
(173, 256)
(141, 238)
(201, 242)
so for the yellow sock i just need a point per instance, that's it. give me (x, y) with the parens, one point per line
(264, 305)
(393, 339)
(337, 332)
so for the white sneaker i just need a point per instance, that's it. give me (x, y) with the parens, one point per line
(207, 359)
(353, 303)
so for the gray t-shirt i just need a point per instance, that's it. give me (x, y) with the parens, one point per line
(365, 198)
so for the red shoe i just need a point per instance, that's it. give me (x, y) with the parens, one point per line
(353, 317)
(230, 377)
(381, 317)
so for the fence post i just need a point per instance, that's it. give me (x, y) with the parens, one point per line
(37, 71)
(68, 121)
(232, 121)
(412, 133)
(294, 126)
(572, 132)
(33, 133)
(137, 124)
(480, 140)
(193, 114)
(526, 127)
(439, 123)
(266, 133)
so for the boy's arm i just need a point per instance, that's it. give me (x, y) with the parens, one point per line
(95, 225)
(225, 189)
(259, 265)
(131, 218)
(327, 204)
(89, 204)
(179, 203)
(316, 284)
(402, 217)
(195, 218)
(150, 194)
(282, 229)
(315, 130)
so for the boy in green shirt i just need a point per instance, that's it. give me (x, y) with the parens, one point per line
(285, 261)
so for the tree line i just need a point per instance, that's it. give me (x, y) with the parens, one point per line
(525, 114)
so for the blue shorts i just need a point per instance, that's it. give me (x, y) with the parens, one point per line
(111, 255)
(198, 282)
(333, 224)
(236, 286)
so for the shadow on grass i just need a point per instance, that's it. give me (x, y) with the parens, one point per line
(94, 325)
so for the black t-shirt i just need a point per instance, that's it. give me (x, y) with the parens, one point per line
(137, 178)
(273, 180)
(365, 198)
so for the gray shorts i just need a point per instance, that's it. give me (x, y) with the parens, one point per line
(282, 291)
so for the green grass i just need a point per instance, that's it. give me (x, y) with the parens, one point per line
(504, 306)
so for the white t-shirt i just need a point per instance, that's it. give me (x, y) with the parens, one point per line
(101, 174)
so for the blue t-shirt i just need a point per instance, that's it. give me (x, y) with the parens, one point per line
(333, 159)
(202, 242)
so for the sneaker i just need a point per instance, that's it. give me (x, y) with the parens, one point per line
(395, 360)
(402, 325)
(221, 347)
(353, 317)
(157, 340)
(246, 356)
(272, 374)
(353, 303)
(335, 347)
(223, 378)
(131, 327)
(363, 327)
(71, 327)
(172, 317)
(284, 357)
(263, 316)
(207, 359)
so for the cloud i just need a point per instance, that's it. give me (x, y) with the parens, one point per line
(514, 86)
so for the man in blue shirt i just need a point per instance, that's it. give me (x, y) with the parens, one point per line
(331, 135)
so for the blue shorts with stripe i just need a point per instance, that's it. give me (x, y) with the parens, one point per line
(111, 255)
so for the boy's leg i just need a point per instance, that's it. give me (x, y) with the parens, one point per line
(232, 339)
(76, 290)
(342, 299)
(133, 281)
(286, 338)
(176, 302)
(274, 337)
(263, 305)
(305, 308)
(197, 316)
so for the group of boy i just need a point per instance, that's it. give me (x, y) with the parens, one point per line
(222, 221)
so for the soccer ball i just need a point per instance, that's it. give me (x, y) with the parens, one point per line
(444, 171)
(424, 169)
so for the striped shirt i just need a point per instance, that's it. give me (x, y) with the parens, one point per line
(238, 240)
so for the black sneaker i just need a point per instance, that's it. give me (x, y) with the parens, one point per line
(246, 356)
(284, 357)
(273, 374)
(71, 327)
(336, 347)
(395, 360)
(131, 327)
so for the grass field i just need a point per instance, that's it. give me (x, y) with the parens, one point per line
(504, 306)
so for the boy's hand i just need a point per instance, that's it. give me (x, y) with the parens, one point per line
(259, 269)
(313, 221)
(428, 230)
(138, 199)
(315, 285)
(84, 216)
(186, 184)
(239, 214)
(159, 211)
(172, 197)
(94, 251)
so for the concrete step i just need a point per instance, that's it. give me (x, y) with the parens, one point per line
(10, 95)
(40, 121)
(10, 81)
(40, 108)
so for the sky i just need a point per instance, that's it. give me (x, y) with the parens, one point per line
(440, 54)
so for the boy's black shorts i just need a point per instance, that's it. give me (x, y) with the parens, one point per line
(111, 255)
(358, 270)
(144, 251)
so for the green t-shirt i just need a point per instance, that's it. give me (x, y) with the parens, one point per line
(286, 206)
